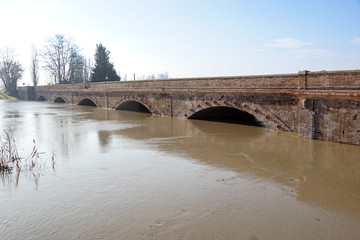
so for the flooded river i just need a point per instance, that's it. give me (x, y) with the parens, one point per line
(127, 175)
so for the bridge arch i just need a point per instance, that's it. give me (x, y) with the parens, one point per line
(59, 100)
(88, 101)
(227, 114)
(252, 112)
(41, 98)
(135, 104)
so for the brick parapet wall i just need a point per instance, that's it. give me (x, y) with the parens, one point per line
(304, 79)
(336, 79)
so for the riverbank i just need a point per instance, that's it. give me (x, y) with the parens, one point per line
(4, 96)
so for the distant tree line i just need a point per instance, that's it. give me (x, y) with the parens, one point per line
(164, 75)
(61, 58)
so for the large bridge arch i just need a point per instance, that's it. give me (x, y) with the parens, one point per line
(244, 109)
(227, 114)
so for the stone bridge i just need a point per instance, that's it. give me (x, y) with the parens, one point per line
(320, 105)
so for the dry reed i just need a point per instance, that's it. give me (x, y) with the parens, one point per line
(10, 160)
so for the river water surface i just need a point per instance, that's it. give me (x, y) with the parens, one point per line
(127, 175)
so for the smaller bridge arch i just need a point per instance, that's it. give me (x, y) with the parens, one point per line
(135, 104)
(59, 100)
(41, 98)
(86, 100)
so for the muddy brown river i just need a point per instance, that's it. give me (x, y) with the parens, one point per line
(128, 175)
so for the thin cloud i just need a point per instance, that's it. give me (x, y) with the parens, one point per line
(312, 53)
(356, 41)
(288, 43)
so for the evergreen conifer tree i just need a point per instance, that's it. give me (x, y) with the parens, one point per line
(103, 69)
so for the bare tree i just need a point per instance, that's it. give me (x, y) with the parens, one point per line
(34, 66)
(57, 55)
(10, 71)
(76, 67)
(87, 70)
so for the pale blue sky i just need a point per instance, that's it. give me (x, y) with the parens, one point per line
(194, 38)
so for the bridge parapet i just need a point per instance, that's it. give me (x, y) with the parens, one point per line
(304, 79)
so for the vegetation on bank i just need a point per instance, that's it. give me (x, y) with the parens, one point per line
(11, 164)
(5, 96)
(9, 156)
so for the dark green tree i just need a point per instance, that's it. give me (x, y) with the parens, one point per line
(103, 69)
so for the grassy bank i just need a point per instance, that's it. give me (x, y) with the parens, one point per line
(4, 96)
